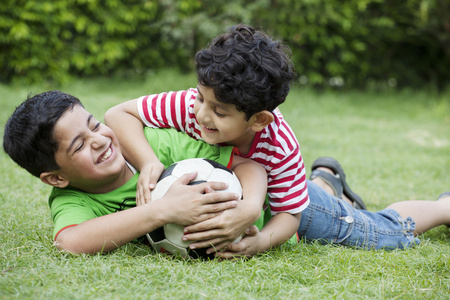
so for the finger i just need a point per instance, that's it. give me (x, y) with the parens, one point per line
(229, 255)
(219, 197)
(218, 247)
(153, 180)
(236, 247)
(206, 216)
(186, 178)
(147, 195)
(252, 231)
(201, 236)
(217, 186)
(212, 210)
(206, 244)
(139, 200)
(210, 223)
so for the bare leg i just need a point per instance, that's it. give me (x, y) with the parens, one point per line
(426, 214)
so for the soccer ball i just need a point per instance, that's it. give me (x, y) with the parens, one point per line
(168, 238)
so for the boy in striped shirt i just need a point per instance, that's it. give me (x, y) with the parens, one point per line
(243, 76)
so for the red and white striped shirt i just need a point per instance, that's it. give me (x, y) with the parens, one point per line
(275, 148)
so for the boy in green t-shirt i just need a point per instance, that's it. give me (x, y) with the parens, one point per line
(53, 137)
(93, 204)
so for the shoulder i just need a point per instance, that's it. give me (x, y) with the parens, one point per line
(279, 137)
(66, 195)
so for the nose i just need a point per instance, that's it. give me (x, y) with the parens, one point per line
(202, 114)
(98, 141)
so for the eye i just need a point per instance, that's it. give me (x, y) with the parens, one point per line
(219, 114)
(199, 99)
(79, 147)
(96, 127)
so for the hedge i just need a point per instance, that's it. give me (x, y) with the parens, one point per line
(354, 43)
(364, 42)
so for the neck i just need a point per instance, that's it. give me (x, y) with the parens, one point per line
(245, 142)
(123, 178)
(105, 187)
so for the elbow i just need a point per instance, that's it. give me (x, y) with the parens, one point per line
(66, 245)
(69, 241)
(257, 215)
(110, 114)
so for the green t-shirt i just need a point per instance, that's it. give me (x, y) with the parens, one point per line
(70, 206)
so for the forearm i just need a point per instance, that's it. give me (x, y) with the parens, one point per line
(124, 120)
(253, 180)
(106, 233)
(278, 230)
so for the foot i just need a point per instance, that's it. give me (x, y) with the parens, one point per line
(331, 172)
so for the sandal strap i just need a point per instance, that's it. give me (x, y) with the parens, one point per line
(331, 163)
(446, 194)
(333, 180)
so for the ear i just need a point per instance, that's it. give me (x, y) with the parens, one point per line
(260, 120)
(53, 179)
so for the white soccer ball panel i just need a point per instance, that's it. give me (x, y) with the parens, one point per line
(234, 184)
(167, 246)
(162, 187)
(190, 165)
(174, 234)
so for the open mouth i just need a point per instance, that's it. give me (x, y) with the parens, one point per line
(207, 129)
(105, 155)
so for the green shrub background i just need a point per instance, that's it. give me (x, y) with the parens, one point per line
(354, 43)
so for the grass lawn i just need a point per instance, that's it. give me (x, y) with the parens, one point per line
(393, 145)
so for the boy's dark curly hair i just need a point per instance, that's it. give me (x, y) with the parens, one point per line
(247, 68)
(29, 133)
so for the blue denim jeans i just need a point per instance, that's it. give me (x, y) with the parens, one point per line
(333, 221)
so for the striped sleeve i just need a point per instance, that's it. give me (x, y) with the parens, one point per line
(170, 110)
(287, 187)
(279, 152)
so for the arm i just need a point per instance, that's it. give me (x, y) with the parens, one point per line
(277, 231)
(226, 227)
(124, 120)
(181, 205)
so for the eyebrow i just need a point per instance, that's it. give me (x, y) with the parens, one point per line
(217, 103)
(75, 139)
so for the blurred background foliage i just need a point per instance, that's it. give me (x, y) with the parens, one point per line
(345, 44)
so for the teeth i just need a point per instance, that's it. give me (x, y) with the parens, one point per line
(107, 155)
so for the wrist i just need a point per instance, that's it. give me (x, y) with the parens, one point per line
(157, 214)
(266, 241)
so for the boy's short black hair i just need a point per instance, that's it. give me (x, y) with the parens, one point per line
(247, 68)
(29, 133)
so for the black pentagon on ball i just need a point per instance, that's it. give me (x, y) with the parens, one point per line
(167, 172)
(158, 235)
(218, 165)
(200, 254)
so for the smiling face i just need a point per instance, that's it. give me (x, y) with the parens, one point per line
(88, 153)
(222, 122)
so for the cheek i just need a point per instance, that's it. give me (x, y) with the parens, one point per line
(196, 107)
(84, 162)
